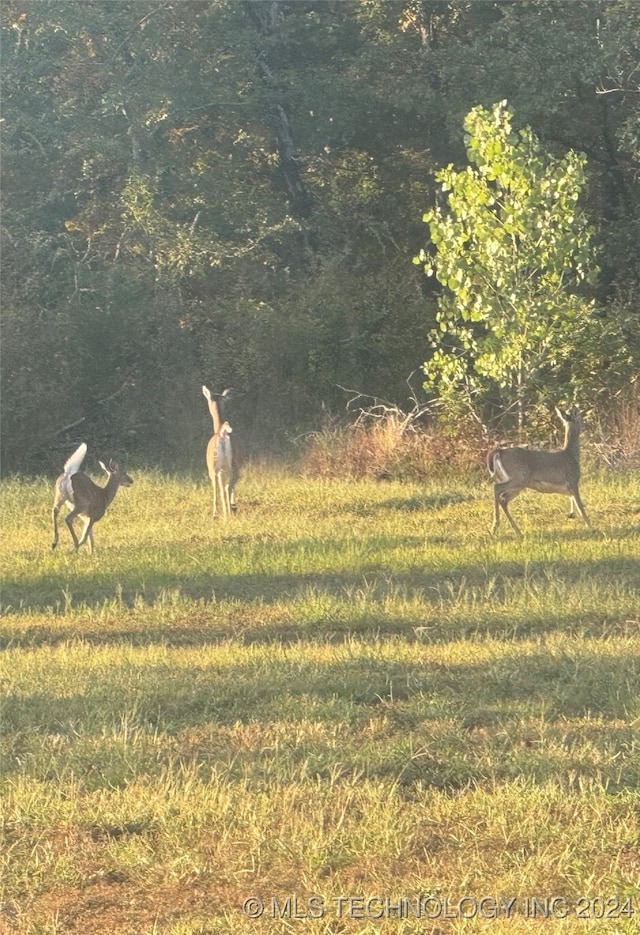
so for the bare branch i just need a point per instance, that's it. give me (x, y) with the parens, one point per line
(381, 409)
(99, 402)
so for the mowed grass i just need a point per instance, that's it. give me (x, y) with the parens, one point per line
(350, 690)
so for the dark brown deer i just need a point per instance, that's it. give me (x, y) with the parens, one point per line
(544, 471)
(84, 497)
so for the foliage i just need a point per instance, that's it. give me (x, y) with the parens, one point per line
(511, 248)
(227, 193)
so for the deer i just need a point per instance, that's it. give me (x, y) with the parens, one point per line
(220, 459)
(84, 497)
(545, 471)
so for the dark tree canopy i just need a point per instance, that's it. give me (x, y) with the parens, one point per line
(231, 193)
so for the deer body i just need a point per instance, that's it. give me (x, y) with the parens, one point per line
(517, 469)
(220, 467)
(85, 498)
(220, 457)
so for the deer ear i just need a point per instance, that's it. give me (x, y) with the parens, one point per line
(113, 467)
(103, 466)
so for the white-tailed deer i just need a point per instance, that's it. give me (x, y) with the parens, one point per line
(544, 471)
(220, 459)
(84, 497)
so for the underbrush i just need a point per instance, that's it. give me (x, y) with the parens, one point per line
(390, 448)
(383, 443)
(615, 436)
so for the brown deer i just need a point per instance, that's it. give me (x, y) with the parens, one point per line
(220, 456)
(84, 497)
(544, 471)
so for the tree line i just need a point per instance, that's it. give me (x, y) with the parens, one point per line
(232, 192)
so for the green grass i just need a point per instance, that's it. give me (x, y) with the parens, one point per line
(350, 689)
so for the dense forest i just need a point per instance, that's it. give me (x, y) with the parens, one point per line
(232, 192)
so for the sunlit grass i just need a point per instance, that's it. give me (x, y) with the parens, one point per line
(349, 689)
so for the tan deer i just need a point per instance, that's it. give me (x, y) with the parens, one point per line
(544, 471)
(220, 459)
(84, 497)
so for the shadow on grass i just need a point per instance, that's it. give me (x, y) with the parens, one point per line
(54, 590)
(210, 627)
(445, 712)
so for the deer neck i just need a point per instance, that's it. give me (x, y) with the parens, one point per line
(110, 489)
(215, 415)
(572, 440)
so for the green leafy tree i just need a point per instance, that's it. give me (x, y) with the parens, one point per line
(512, 247)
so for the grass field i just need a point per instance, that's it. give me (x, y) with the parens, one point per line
(350, 702)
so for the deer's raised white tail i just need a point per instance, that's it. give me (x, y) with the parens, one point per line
(85, 498)
(545, 471)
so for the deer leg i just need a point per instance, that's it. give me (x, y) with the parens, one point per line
(503, 493)
(87, 535)
(54, 515)
(232, 492)
(496, 509)
(504, 501)
(227, 495)
(214, 484)
(575, 500)
(69, 521)
(224, 495)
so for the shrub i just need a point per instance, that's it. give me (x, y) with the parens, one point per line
(392, 448)
(388, 444)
